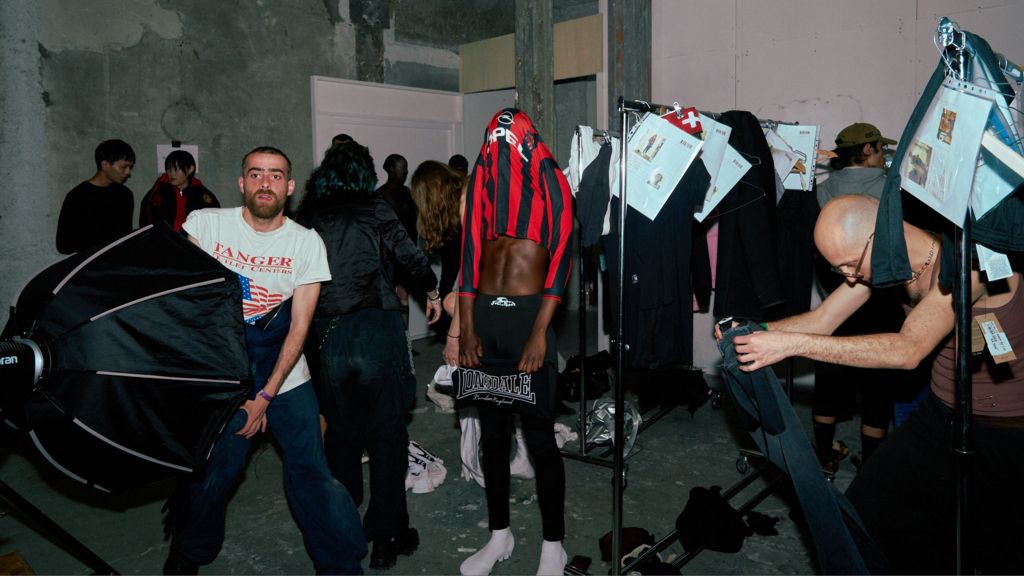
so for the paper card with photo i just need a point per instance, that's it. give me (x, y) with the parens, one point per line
(940, 160)
(803, 140)
(734, 166)
(1000, 164)
(993, 181)
(658, 154)
(783, 156)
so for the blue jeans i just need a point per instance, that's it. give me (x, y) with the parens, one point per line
(366, 388)
(322, 507)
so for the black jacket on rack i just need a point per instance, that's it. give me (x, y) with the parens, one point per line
(658, 300)
(795, 216)
(748, 282)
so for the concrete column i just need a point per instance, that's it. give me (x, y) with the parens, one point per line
(370, 18)
(629, 54)
(27, 229)
(535, 66)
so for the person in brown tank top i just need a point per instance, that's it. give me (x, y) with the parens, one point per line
(906, 494)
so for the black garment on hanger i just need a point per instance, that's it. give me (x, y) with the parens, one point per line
(592, 196)
(748, 281)
(795, 216)
(700, 266)
(658, 301)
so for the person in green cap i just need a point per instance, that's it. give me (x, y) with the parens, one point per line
(858, 168)
(859, 164)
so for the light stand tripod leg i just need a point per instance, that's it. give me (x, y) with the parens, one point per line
(59, 536)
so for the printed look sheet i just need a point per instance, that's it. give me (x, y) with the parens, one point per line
(658, 154)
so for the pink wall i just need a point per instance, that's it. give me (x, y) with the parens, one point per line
(828, 63)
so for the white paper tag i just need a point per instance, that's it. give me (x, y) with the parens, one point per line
(996, 339)
(995, 265)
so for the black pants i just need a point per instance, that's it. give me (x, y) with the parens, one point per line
(503, 324)
(366, 388)
(907, 498)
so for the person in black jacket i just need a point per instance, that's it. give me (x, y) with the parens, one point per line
(365, 380)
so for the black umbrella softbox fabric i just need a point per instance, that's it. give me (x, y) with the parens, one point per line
(145, 359)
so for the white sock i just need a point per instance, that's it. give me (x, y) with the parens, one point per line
(552, 559)
(498, 548)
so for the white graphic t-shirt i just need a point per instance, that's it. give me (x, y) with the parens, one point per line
(269, 264)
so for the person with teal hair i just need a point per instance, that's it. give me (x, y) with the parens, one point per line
(365, 381)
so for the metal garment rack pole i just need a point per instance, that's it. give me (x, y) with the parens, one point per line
(618, 476)
(963, 441)
(582, 454)
(733, 490)
(618, 346)
(581, 413)
(963, 433)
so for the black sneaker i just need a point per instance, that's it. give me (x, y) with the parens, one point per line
(387, 548)
(177, 565)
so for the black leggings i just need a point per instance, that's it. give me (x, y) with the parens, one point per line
(503, 324)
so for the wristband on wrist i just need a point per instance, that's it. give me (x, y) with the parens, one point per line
(763, 325)
(453, 337)
(263, 394)
(433, 295)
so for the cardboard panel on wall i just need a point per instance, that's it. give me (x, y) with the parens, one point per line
(490, 64)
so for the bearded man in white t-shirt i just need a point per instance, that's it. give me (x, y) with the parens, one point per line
(280, 265)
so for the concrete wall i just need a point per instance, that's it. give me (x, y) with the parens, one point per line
(226, 76)
(229, 76)
(825, 63)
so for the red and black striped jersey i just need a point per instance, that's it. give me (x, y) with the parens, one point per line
(517, 190)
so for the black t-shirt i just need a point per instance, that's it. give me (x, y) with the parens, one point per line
(93, 215)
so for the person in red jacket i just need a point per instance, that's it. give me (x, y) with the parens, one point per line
(176, 193)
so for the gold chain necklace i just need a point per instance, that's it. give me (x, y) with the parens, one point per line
(916, 275)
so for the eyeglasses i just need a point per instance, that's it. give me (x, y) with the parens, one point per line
(857, 274)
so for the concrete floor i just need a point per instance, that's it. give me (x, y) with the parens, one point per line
(673, 455)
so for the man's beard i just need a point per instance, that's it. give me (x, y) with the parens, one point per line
(263, 210)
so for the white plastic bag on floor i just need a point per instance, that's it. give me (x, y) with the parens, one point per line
(520, 467)
(440, 390)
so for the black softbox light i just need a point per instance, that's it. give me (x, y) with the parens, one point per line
(141, 347)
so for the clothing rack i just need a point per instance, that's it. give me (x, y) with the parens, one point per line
(626, 108)
(649, 418)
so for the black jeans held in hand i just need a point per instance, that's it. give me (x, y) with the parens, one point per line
(841, 542)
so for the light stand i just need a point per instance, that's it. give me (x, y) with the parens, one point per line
(22, 363)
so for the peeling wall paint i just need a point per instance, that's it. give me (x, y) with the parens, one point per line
(100, 25)
(226, 76)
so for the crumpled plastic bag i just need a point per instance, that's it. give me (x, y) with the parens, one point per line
(601, 424)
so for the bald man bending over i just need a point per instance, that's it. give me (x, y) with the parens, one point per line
(905, 494)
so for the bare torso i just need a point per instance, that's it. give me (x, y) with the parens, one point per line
(988, 294)
(513, 267)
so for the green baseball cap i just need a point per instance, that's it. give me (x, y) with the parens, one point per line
(860, 133)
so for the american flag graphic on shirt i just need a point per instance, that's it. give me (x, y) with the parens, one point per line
(256, 300)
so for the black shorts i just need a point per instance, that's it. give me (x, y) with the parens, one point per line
(503, 324)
